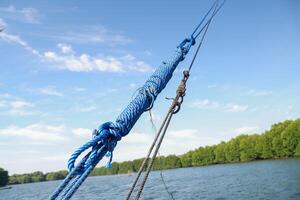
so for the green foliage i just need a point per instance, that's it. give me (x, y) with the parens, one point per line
(297, 152)
(37, 177)
(219, 152)
(291, 138)
(186, 159)
(203, 156)
(137, 164)
(282, 140)
(56, 175)
(3, 177)
(99, 171)
(277, 142)
(232, 150)
(171, 161)
(248, 150)
(264, 146)
(126, 167)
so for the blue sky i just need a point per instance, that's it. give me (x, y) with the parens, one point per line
(66, 67)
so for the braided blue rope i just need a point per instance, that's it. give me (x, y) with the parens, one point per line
(105, 139)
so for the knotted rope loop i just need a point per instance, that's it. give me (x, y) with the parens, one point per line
(107, 135)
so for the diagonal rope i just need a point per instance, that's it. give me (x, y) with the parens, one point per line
(160, 160)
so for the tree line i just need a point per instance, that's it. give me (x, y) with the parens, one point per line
(3, 177)
(281, 141)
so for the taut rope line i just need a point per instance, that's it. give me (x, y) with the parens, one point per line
(174, 108)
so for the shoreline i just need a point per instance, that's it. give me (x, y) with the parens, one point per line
(9, 186)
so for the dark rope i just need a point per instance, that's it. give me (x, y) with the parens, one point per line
(206, 26)
(203, 19)
(160, 161)
(143, 165)
(175, 107)
(216, 10)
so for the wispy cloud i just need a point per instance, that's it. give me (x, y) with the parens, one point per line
(16, 39)
(208, 104)
(86, 109)
(253, 92)
(20, 104)
(80, 89)
(51, 91)
(14, 106)
(133, 85)
(67, 59)
(107, 92)
(93, 34)
(36, 132)
(26, 15)
(82, 132)
(2, 24)
(56, 158)
(205, 104)
(236, 107)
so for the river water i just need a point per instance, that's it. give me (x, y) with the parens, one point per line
(272, 179)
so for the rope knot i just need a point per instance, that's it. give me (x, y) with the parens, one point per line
(106, 136)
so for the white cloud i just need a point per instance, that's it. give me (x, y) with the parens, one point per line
(86, 109)
(185, 133)
(236, 108)
(68, 60)
(56, 158)
(133, 85)
(27, 15)
(253, 92)
(83, 62)
(208, 104)
(14, 106)
(20, 113)
(36, 132)
(205, 104)
(20, 104)
(82, 132)
(66, 49)
(80, 89)
(246, 130)
(2, 104)
(6, 95)
(51, 91)
(2, 24)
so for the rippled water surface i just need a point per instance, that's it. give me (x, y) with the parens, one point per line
(276, 179)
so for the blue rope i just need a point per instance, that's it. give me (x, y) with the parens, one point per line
(105, 139)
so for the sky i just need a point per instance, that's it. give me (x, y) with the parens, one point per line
(67, 67)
